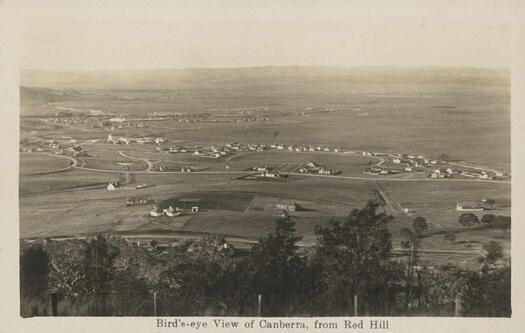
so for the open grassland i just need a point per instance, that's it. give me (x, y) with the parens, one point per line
(463, 113)
(437, 202)
(247, 209)
(31, 163)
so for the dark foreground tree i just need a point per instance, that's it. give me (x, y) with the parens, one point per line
(98, 270)
(353, 257)
(276, 270)
(419, 225)
(488, 218)
(468, 219)
(34, 271)
(494, 252)
(501, 222)
(450, 236)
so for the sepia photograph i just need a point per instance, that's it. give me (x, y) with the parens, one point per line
(262, 159)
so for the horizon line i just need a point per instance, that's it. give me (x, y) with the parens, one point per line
(507, 68)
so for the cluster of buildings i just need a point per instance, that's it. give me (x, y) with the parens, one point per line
(156, 211)
(486, 175)
(287, 207)
(469, 207)
(134, 201)
(314, 167)
(212, 152)
(380, 171)
(58, 146)
(191, 169)
(128, 140)
(266, 174)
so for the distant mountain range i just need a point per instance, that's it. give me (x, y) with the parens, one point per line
(212, 78)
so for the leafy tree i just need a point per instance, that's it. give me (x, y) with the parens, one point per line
(488, 294)
(353, 255)
(419, 225)
(467, 219)
(98, 270)
(501, 222)
(276, 269)
(34, 271)
(154, 244)
(411, 243)
(214, 249)
(68, 272)
(488, 218)
(450, 236)
(203, 278)
(494, 251)
(444, 157)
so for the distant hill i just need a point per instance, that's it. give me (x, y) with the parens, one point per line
(212, 78)
(38, 95)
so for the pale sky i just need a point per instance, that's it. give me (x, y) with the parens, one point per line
(133, 34)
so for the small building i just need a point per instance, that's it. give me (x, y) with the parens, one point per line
(286, 207)
(123, 140)
(155, 211)
(469, 207)
(324, 171)
(112, 186)
(170, 212)
(195, 209)
(396, 160)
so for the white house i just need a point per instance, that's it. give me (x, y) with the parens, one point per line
(123, 140)
(170, 212)
(155, 212)
(396, 161)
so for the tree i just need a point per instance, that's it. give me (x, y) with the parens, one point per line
(353, 256)
(488, 218)
(467, 219)
(444, 157)
(419, 225)
(154, 244)
(410, 243)
(450, 236)
(494, 252)
(276, 269)
(501, 222)
(98, 270)
(68, 272)
(34, 271)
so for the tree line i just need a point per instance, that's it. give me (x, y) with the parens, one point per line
(353, 259)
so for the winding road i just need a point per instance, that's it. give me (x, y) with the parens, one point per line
(149, 170)
(148, 162)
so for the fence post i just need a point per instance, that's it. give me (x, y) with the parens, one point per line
(259, 305)
(54, 304)
(355, 306)
(458, 305)
(154, 303)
